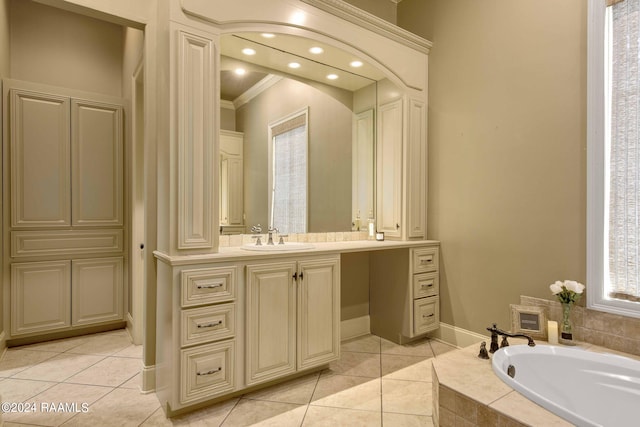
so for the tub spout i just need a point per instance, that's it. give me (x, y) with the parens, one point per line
(495, 331)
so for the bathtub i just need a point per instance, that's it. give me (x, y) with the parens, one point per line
(583, 387)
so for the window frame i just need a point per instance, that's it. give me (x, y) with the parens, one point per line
(597, 255)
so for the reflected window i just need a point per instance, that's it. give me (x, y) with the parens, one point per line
(289, 153)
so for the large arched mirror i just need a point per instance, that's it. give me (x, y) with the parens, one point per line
(297, 126)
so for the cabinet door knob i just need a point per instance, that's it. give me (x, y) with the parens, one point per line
(397, 226)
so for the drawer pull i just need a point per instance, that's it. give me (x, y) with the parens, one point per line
(427, 286)
(426, 316)
(209, 325)
(426, 260)
(211, 372)
(217, 285)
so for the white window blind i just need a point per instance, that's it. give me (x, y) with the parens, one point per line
(290, 158)
(622, 153)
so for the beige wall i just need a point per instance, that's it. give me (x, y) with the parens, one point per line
(59, 48)
(4, 38)
(507, 149)
(329, 152)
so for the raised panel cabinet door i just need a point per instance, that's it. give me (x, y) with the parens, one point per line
(97, 163)
(271, 321)
(40, 296)
(40, 173)
(236, 209)
(97, 290)
(389, 165)
(417, 170)
(318, 312)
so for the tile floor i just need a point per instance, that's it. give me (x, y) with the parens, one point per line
(375, 383)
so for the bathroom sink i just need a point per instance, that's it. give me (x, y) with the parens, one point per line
(288, 246)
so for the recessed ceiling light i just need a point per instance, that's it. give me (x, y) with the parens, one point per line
(294, 65)
(356, 64)
(268, 35)
(332, 76)
(248, 51)
(316, 50)
(240, 71)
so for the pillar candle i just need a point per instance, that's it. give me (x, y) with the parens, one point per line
(552, 332)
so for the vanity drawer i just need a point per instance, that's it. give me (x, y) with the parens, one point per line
(211, 323)
(425, 285)
(206, 371)
(208, 285)
(426, 314)
(425, 259)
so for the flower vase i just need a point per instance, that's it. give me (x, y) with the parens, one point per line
(566, 333)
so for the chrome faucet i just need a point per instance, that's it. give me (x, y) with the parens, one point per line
(271, 231)
(495, 332)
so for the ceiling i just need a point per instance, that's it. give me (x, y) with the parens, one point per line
(273, 56)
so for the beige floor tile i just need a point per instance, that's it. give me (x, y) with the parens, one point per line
(299, 391)
(130, 351)
(57, 346)
(357, 364)
(407, 397)
(59, 368)
(16, 390)
(440, 348)
(75, 398)
(15, 361)
(320, 416)
(135, 383)
(415, 348)
(103, 344)
(111, 371)
(211, 416)
(262, 413)
(341, 391)
(364, 344)
(410, 368)
(404, 420)
(120, 408)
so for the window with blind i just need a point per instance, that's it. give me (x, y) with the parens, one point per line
(288, 177)
(613, 154)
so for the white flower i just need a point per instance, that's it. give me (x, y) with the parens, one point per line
(574, 286)
(556, 287)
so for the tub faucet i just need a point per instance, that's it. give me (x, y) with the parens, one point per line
(494, 338)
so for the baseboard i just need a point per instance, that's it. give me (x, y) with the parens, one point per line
(148, 383)
(457, 336)
(353, 328)
(3, 344)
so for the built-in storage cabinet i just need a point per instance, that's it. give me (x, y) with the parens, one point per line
(389, 169)
(404, 293)
(65, 205)
(293, 315)
(231, 179)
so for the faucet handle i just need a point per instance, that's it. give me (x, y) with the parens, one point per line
(281, 241)
(258, 241)
(256, 229)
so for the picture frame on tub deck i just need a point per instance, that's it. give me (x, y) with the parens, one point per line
(529, 320)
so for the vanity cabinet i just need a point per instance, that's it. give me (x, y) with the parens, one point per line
(404, 293)
(293, 317)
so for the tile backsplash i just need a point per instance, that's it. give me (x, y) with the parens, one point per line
(338, 236)
(620, 333)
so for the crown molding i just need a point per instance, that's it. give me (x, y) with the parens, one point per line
(227, 104)
(256, 90)
(371, 22)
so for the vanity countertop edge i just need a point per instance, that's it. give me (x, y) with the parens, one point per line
(236, 253)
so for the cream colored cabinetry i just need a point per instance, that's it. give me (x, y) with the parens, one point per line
(231, 181)
(65, 208)
(404, 293)
(401, 181)
(293, 315)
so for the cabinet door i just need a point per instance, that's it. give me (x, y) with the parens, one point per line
(40, 178)
(235, 194)
(389, 164)
(97, 294)
(318, 312)
(271, 321)
(40, 295)
(417, 169)
(96, 157)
